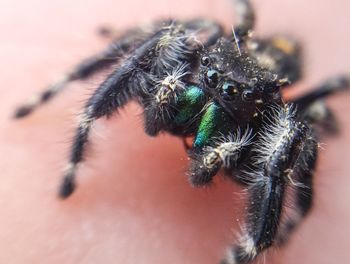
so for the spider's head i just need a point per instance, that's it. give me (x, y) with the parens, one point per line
(236, 82)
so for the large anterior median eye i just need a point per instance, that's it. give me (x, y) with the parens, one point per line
(212, 78)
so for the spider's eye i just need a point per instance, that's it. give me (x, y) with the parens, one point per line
(205, 61)
(229, 91)
(212, 78)
(248, 95)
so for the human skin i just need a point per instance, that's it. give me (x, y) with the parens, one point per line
(133, 203)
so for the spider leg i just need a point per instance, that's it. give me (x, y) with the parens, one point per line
(245, 19)
(213, 31)
(301, 181)
(108, 32)
(112, 94)
(325, 89)
(319, 114)
(83, 70)
(280, 54)
(173, 105)
(278, 147)
(113, 33)
(312, 108)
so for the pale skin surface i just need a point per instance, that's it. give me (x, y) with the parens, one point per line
(133, 203)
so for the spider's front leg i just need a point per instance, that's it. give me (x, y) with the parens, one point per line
(300, 178)
(282, 151)
(113, 93)
(153, 58)
(174, 103)
(311, 109)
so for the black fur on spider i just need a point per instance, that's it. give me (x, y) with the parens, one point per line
(193, 80)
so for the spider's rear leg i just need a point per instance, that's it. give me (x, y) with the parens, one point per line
(108, 32)
(245, 19)
(212, 30)
(277, 150)
(111, 55)
(280, 54)
(312, 108)
(325, 89)
(322, 116)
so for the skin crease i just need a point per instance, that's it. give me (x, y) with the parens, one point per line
(133, 203)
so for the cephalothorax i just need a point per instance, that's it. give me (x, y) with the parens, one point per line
(193, 80)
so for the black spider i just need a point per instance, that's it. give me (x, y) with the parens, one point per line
(225, 90)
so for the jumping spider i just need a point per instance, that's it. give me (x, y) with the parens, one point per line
(193, 80)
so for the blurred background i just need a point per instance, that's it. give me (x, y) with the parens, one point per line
(134, 204)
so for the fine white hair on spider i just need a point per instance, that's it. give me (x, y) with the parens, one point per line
(236, 40)
(227, 148)
(173, 79)
(276, 130)
(230, 257)
(166, 89)
(247, 244)
(174, 46)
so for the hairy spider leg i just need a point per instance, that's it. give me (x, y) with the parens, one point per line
(297, 174)
(325, 89)
(301, 180)
(214, 30)
(312, 108)
(322, 116)
(113, 93)
(245, 19)
(175, 103)
(111, 55)
(171, 108)
(279, 145)
(280, 54)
